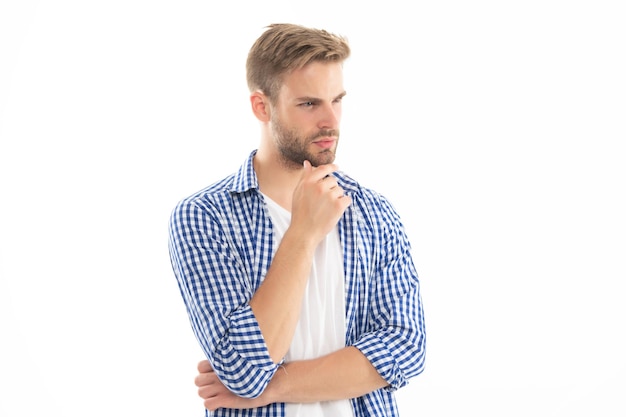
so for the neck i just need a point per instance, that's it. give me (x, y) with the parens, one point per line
(276, 180)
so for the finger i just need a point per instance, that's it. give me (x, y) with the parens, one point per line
(203, 393)
(329, 181)
(203, 380)
(206, 392)
(321, 172)
(336, 192)
(204, 366)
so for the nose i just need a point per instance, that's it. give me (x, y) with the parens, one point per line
(330, 117)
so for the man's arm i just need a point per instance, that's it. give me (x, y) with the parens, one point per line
(317, 204)
(346, 373)
(386, 356)
(343, 374)
(243, 321)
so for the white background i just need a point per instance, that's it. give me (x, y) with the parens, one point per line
(496, 128)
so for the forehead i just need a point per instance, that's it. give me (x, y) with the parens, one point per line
(317, 79)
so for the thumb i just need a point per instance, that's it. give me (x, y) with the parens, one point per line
(306, 164)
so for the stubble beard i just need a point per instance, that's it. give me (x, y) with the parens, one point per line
(293, 147)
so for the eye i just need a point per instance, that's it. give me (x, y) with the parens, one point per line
(307, 104)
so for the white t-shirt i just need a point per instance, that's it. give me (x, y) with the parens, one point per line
(322, 325)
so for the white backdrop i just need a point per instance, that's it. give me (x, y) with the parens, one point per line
(496, 128)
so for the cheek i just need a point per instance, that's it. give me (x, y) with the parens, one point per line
(293, 120)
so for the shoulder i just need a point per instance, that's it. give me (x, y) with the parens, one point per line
(206, 200)
(363, 196)
(375, 217)
(221, 193)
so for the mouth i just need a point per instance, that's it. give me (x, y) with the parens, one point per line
(325, 143)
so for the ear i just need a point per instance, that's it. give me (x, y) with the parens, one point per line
(260, 106)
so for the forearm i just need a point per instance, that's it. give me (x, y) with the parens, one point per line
(317, 204)
(277, 302)
(343, 374)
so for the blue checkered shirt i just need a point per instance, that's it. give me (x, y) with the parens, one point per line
(221, 245)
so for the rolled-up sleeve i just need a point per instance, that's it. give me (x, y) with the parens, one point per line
(394, 336)
(216, 286)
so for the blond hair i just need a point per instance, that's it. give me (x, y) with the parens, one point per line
(285, 47)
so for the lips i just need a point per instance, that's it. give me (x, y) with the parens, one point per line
(325, 143)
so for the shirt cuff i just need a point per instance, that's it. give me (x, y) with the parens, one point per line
(241, 359)
(376, 351)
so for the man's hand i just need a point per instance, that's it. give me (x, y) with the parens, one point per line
(318, 202)
(216, 395)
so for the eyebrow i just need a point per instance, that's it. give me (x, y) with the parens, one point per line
(316, 99)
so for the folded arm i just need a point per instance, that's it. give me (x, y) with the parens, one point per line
(343, 374)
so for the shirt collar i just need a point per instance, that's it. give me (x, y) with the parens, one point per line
(246, 179)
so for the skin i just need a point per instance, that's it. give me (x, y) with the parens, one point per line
(299, 136)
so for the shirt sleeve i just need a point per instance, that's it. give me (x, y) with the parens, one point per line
(395, 337)
(215, 286)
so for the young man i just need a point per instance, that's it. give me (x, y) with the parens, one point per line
(298, 281)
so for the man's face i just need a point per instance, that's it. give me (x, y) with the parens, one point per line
(305, 119)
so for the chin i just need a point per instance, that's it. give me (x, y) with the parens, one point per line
(323, 159)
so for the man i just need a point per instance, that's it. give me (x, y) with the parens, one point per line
(299, 282)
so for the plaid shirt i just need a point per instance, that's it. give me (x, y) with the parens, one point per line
(221, 246)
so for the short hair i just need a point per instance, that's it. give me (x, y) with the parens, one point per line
(284, 48)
